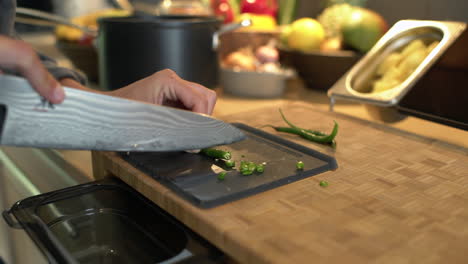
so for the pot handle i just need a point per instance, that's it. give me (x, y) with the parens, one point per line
(228, 28)
(9, 220)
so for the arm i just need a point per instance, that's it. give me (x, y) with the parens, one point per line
(163, 88)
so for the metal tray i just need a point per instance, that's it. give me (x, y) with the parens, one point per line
(354, 85)
(194, 176)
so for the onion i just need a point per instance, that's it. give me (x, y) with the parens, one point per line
(267, 54)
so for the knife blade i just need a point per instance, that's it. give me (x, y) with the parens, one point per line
(90, 121)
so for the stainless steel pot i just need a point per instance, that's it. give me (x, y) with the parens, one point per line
(131, 48)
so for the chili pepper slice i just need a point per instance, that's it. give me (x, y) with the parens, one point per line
(247, 172)
(323, 184)
(300, 165)
(222, 176)
(216, 153)
(230, 163)
(260, 168)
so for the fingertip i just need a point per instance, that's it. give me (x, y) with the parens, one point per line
(199, 108)
(58, 94)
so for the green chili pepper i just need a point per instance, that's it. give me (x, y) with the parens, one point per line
(309, 136)
(230, 163)
(247, 172)
(216, 153)
(221, 176)
(251, 166)
(323, 184)
(243, 165)
(312, 135)
(260, 168)
(300, 165)
(286, 120)
(320, 133)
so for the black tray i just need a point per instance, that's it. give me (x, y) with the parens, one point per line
(194, 176)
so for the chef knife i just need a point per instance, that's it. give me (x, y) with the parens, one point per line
(90, 121)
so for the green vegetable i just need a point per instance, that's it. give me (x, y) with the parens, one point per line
(311, 135)
(260, 168)
(252, 166)
(308, 136)
(230, 163)
(323, 184)
(216, 153)
(244, 165)
(247, 167)
(300, 165)
(221, 176)
(246, 172)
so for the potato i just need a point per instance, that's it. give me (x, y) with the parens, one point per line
(392, 77)
(392, 60)
(414, 45)
(398, 66)
(384, 85)
(394, 73)
(411, 62)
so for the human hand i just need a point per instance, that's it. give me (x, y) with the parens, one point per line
(16, 55)
(167, 88)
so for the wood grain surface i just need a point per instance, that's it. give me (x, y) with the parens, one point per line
(395, 198)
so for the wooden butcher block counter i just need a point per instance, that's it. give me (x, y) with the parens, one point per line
(396, 197)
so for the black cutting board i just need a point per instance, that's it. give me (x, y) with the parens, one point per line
(194, 176)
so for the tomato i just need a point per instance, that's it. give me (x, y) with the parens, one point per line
(261, 7)
(227, 9)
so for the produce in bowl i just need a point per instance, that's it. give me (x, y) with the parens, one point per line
(262, 59)
(399, 65)
(337, 27)
(254, 72)
(322, 49)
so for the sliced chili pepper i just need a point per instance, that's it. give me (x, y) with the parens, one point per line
(222, 176)
(323, 184)
(300, 165)
(247, 172)
(230, 163)
(260, 168)
(216, 153)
